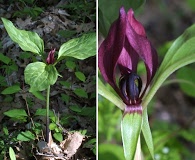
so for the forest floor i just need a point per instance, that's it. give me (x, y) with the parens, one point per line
(73, 120)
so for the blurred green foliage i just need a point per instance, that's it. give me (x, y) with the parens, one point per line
(83, 11)
(170, 140)
(186, 80)
(107, 15)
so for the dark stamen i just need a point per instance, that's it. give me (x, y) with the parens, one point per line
(130, 86)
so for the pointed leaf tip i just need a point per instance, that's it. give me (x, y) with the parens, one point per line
(147, 133)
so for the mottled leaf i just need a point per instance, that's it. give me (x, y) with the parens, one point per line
(27, 40)
(80, 48)
(39, 76)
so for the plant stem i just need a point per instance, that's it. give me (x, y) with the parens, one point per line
(138, 153)
(47, 115)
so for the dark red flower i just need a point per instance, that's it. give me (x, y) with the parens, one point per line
(124, 46)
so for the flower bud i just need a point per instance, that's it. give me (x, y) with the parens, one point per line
(50, 58)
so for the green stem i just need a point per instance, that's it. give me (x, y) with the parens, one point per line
(138, 153)
(47, 115)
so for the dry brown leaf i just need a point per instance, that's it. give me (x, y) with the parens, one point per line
(72, 143)
(22, 24)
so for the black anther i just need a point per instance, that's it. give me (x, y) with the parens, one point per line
(130, 86)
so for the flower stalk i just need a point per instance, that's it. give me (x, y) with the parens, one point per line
(47, 114)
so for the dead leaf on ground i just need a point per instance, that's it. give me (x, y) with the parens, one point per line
(72, 143)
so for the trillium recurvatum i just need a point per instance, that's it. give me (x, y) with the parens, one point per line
(50, 58)
(121, 51)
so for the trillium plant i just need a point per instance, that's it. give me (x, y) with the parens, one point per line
(41, 75)
(124, 47)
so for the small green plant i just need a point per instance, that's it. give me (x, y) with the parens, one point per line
(41, 75)
(28, 7)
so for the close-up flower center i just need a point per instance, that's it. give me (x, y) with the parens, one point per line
(130, 86)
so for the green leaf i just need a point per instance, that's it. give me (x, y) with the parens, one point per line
(191, 4)
(81, 93)
(14, 113)
(11, 68)
(71, 64)
(188, 134)
(3, 81)
(12, 154)
(109, 11)
(4, 59)
(26, 136)
(88, 111)
(11, 90)
(66, 33)
(89, 143)
(58, 136)
(5, 130)
(42, 112)
(27, 40)
(39, 76)
(186, 80)
(80, 48)
(181, 53)
(130, 131)
(39, 95)
(147, 133)
(80, 76)
(105, 92)
(65, 84)
(65, 98)
(110, 152)
(25, 55)
(8, 98)
(75, 108)
(52, 126)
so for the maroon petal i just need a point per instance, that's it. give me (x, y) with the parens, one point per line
(125, 44)
(136, 25)
(143, 48)
(111, 49)
(128, 59)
